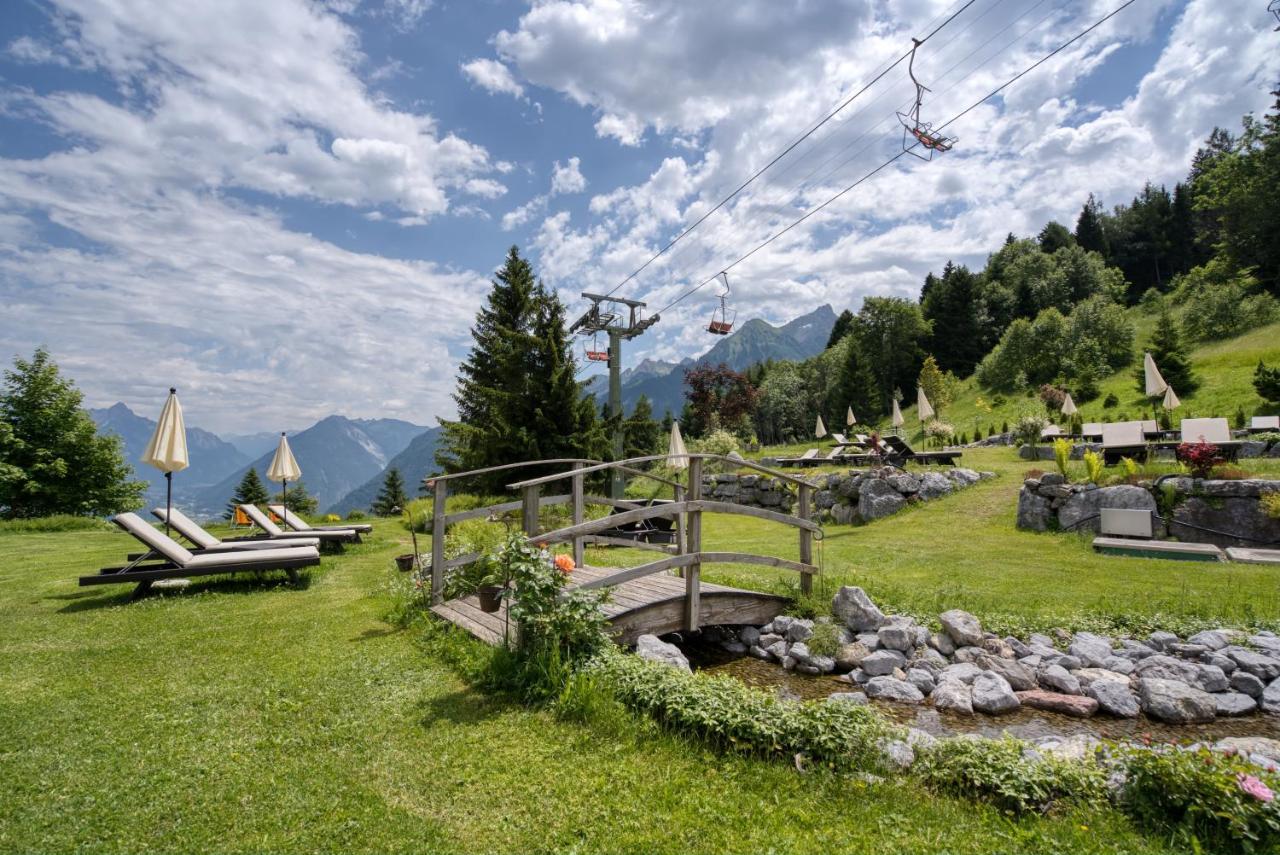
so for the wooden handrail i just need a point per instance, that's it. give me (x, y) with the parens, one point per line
(430, 480)
(599, 467)
(641, 514)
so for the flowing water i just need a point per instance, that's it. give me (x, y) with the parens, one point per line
(1024, 723)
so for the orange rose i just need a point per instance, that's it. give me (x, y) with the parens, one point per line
(564, 563)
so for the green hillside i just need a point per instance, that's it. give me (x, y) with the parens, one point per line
(1225, 369)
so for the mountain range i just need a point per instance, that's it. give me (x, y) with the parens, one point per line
(754, 341)
(416, 462)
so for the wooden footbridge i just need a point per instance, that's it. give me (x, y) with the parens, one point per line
(646, 598)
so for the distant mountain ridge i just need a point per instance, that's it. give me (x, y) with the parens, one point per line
(754, 341)
(211, 457)
(415, 463)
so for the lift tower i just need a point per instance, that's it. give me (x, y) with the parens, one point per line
(621, 320)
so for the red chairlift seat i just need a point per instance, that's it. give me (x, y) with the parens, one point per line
(593, 351)
(922, 132)
(722, 318)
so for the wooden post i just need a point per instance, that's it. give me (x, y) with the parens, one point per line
(693, 541)
(680, 520)
(440, 491)
(806, 539)
(529, 511)
(579, 514)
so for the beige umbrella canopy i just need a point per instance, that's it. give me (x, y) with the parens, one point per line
(1068, 406)
(167, 450)
(849, 419)
(898, 420)
(923, 408)
(677, 454)
(1155, 384)
(1171, 401)
(819, 430)
(284, 468)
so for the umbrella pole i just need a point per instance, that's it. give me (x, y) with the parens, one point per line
(168, 500)
(284, 493)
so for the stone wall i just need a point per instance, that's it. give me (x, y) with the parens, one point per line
(1183, 507)
(1251, 448)
(844, 498)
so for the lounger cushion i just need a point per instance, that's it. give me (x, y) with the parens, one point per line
(1091, 429)
(186, 527)
(297, 523)
(1122, 435)
(155, 540)
(1210, 430)
(258, 557)
(1265, 422)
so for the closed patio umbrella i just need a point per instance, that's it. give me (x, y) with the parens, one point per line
(1155, 384)
(167, 450)
(1171, 401)
(923, 409)
(849, 419)
(677, 454)
(284, 468)
(819, 430)
(1068, 406)
(897, 421)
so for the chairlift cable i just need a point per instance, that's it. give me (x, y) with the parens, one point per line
(818, 208)
(787, 150)
(796, 190)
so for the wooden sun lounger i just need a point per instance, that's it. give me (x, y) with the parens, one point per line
(899, 448)
(202, 541)
(326, 536)
(802, 460)
(1264, 424)
(167, 559)
(1123, 439)
(298, 524)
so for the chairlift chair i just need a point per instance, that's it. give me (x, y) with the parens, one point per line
(921, 132)
(722, 318)
(1274, 8)
(593, 350)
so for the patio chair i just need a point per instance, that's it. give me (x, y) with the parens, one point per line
(1123, 439)
(298, 524)
(202, 541)
(899, 448)
(326, 537)
(1215, 431)
(802, 460)
(165, 558)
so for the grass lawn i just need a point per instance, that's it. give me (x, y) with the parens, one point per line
(250, 716)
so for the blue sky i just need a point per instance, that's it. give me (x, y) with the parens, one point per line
(291, 209)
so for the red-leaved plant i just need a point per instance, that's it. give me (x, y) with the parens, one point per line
(1200, 457)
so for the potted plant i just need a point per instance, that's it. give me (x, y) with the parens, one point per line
(493, 582)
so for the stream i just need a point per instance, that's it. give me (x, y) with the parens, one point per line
(1023, 723)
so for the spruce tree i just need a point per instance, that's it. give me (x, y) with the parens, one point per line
(52, 460)
(297, 499)
(1170, 356)
(248, 492)
(391, 496)
(641, 432)
(1089, 229)
(953, 306)
(841, 328)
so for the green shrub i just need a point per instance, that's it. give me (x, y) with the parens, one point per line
(731, 715)
(1270, 502)
(1026, 431)
(825, 640)
(1093, 466)
(356, 514)
(1110, 402)
(999, 771)
(57, 522)
(1208, 799)
(1062, 454)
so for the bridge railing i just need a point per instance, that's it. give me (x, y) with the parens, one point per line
(687, 510)
(441, 519)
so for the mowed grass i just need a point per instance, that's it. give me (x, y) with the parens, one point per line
(251, 716)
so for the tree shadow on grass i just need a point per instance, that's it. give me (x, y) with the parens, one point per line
(240, 584)
(462, 707)
(378, 632)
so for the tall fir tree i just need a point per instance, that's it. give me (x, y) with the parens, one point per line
(392, 496)
(248, 492)
(1170, 357)
(517, 394)
(952, 305)
(1090, 234)
(52, 459)
(642, 434)
(840, 329)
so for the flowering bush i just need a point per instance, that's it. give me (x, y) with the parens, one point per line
(1052, 397)
(552, 621)
(1200, 457)
(939, 430)
(1026, 430)
(1217, 799)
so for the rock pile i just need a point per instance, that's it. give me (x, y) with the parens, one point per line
(758, 491)
(866, 496)
(968, 670)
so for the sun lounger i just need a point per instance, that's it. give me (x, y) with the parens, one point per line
(298, 524)
(898, 447)
(802, 460)
(1051, 432)
(1215, 431)
(1091, 431)
(205, 542)
(1264, 424)
(262, 521)
(1123, 439)
(165, 558)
